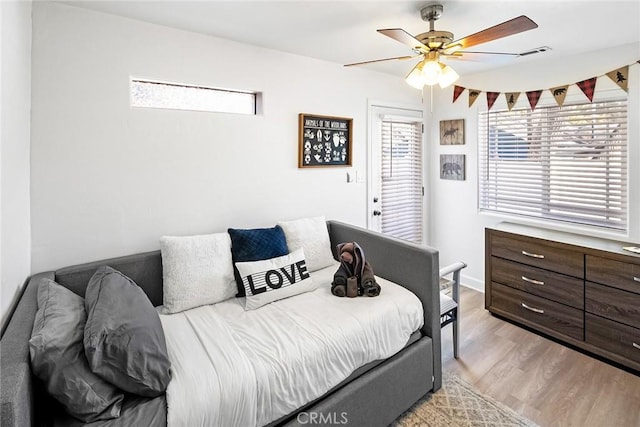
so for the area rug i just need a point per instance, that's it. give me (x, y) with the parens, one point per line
(457, 404)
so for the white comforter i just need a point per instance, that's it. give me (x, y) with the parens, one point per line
(232, 367)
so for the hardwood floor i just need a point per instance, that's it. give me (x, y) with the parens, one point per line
(548, 383)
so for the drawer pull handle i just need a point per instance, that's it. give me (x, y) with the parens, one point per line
(535, 310)
(532, 255)
(637, 279)
(636, 346)
(535, 282)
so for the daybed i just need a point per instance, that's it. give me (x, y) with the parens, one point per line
(374, 394)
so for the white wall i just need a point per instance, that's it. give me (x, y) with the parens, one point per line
(109, 180)
(15, 104)
(457, 228)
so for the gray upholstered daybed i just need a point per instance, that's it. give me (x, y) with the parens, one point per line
(373, 395)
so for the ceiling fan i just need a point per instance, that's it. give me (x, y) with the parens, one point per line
(430, 46)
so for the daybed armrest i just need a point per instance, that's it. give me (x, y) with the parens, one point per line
(17, 391)
(413, 266)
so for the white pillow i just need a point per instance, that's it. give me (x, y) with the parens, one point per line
(312, 235)
(196, 270)
(273, 279)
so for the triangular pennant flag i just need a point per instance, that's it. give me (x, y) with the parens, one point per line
(588, 87)
(559, 93)
(534, 97)
(457, 90)
(620, 77)
(512, 98)
(491, 98)
(473, 95)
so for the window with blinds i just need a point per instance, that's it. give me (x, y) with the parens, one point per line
(564, 163)
(401, 175)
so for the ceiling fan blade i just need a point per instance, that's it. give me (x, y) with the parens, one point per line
(403, 37)
(462, 52)
(380, 60)
(507, 28)
(479, 57)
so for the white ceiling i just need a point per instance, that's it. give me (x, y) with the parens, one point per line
(345, 31)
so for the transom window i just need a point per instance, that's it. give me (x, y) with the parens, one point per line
(564, 163)
(177, 96)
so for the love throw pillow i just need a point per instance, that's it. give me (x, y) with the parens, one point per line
(273, 279)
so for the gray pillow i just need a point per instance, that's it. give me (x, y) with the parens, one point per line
(57, 356)
(123, 338)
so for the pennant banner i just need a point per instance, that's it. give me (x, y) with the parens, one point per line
(473, 95)
(620, 77)
(491, 99)
(588, 87)
(559, 93)
(512, 98)
(534, 97)
(457, 91)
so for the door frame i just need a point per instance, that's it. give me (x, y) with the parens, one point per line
(394, 108)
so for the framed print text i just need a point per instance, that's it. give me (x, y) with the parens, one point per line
(324, 140)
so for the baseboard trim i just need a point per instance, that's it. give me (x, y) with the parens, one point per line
(472, 282)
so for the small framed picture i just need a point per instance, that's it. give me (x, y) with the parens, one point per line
(452, 167)
(324, 140)
(452, 132)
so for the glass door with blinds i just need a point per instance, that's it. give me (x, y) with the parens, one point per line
(398, 188)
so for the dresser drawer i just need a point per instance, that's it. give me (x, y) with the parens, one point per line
(554, 286)
(622, 275)
(612, 303)
(538, 255)
(540, 311)
(613, 337)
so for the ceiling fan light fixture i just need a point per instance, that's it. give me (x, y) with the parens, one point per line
(414, 78)
(448, 76)
(431, 72)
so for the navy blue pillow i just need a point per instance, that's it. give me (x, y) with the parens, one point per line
(256, 244)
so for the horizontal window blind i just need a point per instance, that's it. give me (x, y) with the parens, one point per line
(564, 163)
(401, 190)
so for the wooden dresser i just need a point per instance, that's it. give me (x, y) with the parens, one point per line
(581, 290)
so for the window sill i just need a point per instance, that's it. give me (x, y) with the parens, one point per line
(586, 230)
